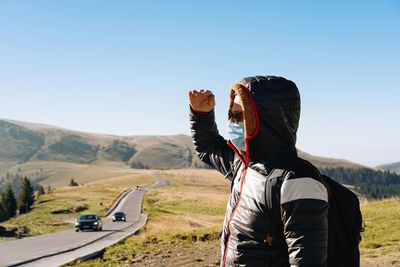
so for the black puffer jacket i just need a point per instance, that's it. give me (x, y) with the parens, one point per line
(295, 231)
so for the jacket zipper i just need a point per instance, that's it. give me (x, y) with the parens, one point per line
(242, 178)
(246, 161)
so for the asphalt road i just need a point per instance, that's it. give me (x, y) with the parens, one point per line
(62, 247)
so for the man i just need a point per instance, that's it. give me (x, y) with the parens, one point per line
(267, 223)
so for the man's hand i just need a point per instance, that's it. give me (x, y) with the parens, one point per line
(201, 101)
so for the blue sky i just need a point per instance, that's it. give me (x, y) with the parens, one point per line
(124, 67)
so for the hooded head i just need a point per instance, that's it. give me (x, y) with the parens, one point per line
(271, 112)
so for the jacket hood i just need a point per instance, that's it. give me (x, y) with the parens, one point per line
(272, 123)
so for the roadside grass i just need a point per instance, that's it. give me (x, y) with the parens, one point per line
(381, 238)
(56, 211)
(194, 200)
(143, 245)
(187, 214)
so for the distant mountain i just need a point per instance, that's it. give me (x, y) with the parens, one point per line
(393, 167)
(22, 142)
(323, 162)
(18, 143)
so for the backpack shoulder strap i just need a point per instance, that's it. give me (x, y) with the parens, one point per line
(272, 200)
(273, 186)
(325, 182)
(301, 168)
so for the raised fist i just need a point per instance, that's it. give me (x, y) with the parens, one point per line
(202, 101)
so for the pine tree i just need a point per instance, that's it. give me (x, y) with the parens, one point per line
(49, 189)
(72, 183)
(3, 216)
(9, 202)
(26, 196)
(40, 191)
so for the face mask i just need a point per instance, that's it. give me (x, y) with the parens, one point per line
(236, 134)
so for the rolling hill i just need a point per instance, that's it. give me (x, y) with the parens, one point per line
(34, 147)
(26, 142)
(393, 167)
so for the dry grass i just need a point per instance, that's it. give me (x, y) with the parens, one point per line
(60, 173)
(195, 200)
(381, 240)
(191, 209)
(194, 206)
(57, 210)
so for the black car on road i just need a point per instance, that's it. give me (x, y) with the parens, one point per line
(88, 222)
(119, 216)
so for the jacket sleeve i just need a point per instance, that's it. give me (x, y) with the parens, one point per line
(211, 147)
(304, 213)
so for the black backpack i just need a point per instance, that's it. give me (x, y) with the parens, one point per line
(345, 225)
(344, 218)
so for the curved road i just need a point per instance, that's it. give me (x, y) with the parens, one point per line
(62, 247)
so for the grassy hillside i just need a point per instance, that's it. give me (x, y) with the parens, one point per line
(71, 148)
(164, 152)
(22, 142)
(52, 155)
(119, 151)
(185, 220)
(17, 143)
(58, 174)
(323, 162)
(57, 210)
(393, 167)
(381, 240)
